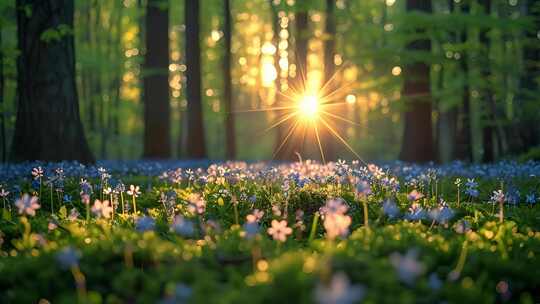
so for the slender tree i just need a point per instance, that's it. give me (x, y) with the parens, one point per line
(329, 71)
(463, 132)
(3, 141)
(294, 142)
(230, 136)
(48, 125)
(196, 147)
(417, 143)
(157, 120)
(488, 132)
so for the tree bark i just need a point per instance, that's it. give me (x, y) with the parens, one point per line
(48, 124)
(417, 143)
(489, 117)
(157, 113)
(196, 147)
(327, 139)
(3, 141)
(230, 136)
(295, 141)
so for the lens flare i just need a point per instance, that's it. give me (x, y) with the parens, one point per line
(309, 106)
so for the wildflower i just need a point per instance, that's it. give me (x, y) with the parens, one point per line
(457, 182)
(134, 191)
(107, 190)
(414, 196)
(37, 172)
(251, 226)
(102, 209)
(462, 227)
(258, 214)
(390, 209)
(145, 223)
(407, 266)
(67, 199)
(442, 214)
(337, 225)
(68, 257)
(531, 199)
(52, 225)
(183, 226)
(362, 189)
(471, 188)
(339, 290)
(416, 212)
(86, 187)
(497, 197)
(73, 214)
(334, 206)
(4, 193)
(196, 205)
(279, 230)
(27, 204)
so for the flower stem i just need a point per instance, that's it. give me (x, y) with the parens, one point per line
(314, 226)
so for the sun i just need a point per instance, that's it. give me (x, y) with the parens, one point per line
(308, 106)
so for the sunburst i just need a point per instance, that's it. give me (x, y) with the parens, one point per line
(310, 109)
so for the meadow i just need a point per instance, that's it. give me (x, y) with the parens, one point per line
(235, 232)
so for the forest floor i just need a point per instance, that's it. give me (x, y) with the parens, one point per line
(234, 232)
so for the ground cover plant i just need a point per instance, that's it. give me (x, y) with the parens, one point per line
(172, 232)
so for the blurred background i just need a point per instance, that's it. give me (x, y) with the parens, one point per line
(416, 80)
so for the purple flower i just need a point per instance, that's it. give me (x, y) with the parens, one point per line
(145, 223)
(339, 290)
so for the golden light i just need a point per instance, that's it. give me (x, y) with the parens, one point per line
(308, 106)
(351, 99)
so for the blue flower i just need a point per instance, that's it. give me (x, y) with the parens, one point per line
(145, 223)
(68, 257)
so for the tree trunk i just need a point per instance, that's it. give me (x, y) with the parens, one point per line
(157, 113)
(489, 117)
(417, 143)
(48, 124)
(230, 136)
(196, 147)
(327, 139)
(3, 141)
(295, 141)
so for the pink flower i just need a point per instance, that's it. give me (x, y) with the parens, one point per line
(279, 230)
(27, 204)
(102, 209)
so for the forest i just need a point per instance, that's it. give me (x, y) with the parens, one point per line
(269, 151)
(412, 80)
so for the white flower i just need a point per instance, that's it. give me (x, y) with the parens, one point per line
(4, 193)
(102, 209)
(27, 204)
(339, 291)
(134, 191)
(37, 172)
(279, 230)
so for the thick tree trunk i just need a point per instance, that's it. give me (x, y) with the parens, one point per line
(417, 143)
(48, 125)
(230, 136)
(295, 141)
(196, 146)
(157, 113)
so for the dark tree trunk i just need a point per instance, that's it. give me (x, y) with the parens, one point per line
(417, 143)
(196, 147)
(230, 136)
(3, 141)
(529, 129)
(48, 125)
(295, 141)
(489, 117)
(157, 113)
